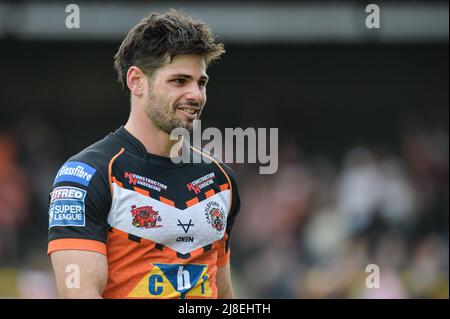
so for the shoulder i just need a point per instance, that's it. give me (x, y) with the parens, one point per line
(91, 161)
(100, 153)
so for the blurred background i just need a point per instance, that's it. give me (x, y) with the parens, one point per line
(363, 137)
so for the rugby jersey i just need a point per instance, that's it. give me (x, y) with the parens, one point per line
(164, 227)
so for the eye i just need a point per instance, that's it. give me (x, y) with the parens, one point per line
(179, 81)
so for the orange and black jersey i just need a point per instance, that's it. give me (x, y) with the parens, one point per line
(164, 227)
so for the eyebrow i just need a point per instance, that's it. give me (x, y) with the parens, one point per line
(190, 77)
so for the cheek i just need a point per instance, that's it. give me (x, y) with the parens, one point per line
(172, 99)
(175, 96)
(163, 98)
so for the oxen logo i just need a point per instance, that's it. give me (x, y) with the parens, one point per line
(145, 217)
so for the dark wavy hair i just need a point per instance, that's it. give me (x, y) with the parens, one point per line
(161, 36)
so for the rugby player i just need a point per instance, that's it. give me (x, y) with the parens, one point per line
(125, 219)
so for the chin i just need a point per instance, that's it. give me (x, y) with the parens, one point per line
(182, 124)
(188, 126)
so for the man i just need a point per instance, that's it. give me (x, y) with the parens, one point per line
(124, 216)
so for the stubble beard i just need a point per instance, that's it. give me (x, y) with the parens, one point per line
(163, 116)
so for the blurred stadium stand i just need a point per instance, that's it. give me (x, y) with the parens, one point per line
(253, 22)
(362, 117)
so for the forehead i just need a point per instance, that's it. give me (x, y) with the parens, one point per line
(189, 64)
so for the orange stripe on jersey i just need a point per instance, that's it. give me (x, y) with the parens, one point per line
(223, 187)
(110, 169)
(223, 260)
(223, 255)
(192, 202)
(166, 201)
(210, 193)
(223, 171)
(115, 181)
(76, 244)
(142, 191)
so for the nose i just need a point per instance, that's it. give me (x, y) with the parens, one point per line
(195, 94)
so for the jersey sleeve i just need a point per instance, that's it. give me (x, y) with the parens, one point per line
(224, 249)
(79, 203)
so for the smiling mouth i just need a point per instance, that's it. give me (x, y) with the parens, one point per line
(190, 112)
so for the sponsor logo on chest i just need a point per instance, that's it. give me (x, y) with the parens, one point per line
(200, 183)
(138, 180)
(183, 230)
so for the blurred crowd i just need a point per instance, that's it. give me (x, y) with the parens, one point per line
(308, 231)
(28, 164)
(311, 230)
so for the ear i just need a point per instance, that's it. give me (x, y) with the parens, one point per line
(135, 80)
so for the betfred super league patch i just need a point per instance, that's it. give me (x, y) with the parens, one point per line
(67, 207)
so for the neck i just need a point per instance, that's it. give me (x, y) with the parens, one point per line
(154, 139)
